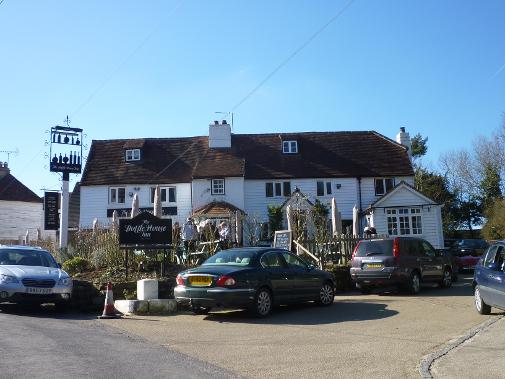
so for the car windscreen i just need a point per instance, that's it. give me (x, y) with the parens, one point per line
(473, 244)
(375, 247)
(232, 257)
(26, 258)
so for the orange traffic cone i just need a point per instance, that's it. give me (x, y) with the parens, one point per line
(108, 310)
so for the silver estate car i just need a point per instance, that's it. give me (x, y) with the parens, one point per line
(31, 275)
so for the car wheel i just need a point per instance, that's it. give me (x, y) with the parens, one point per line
(446, 281)
(481, 307)
(61, 306)
(414, 284)
(197, 310)
(326, 294)
(262, 303)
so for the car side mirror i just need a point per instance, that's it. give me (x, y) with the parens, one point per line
(59, 265)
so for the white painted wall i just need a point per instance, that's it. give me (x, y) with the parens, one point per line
(16, 217)
(346, 196)
(233, 188)
(95, 201)
(431, 216)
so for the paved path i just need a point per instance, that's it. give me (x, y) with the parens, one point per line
(480, 356)
(44, 344)
(374, 336)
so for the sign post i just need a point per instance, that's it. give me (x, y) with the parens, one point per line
(65, 156)
(144, 231)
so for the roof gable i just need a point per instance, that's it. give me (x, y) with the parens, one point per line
(405, 189)
(12, 189)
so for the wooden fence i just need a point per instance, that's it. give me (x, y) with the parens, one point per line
(337, 251)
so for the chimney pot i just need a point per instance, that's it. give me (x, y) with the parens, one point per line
(216, 122)
(6, 164)
(402, 129)
(224, 122)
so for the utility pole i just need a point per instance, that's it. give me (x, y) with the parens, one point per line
(65, 157)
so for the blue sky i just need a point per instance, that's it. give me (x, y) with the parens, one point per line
(126, 69)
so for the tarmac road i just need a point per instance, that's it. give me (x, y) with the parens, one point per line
(374, 336)
(40, 343)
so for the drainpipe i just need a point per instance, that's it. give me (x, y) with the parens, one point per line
(359, 203)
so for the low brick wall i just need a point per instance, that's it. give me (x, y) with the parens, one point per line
(88, 296)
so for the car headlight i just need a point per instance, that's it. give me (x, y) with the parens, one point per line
(65, 281)
(4, 279)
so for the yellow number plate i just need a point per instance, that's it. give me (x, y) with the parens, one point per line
(374, 265)
(200, 281)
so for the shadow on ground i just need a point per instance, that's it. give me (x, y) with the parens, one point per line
(463, 287)
(44, 311)
(311, 314)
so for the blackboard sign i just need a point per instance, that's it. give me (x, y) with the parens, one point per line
(283, 239)
(145, 230)
(51, 217)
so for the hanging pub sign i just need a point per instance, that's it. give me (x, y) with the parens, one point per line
(145, 230)
(66, 149)
(51, 217)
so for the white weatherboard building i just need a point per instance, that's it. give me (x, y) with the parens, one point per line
(224, 173)
(21, 210)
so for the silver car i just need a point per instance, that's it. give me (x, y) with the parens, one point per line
(31, 275)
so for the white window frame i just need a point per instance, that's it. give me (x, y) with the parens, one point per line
(132, 155)
(282, 186)
(290, 147)
(404, 221)
(326, 185)
(384, 186)
(167, 194)
(114, 199)
(217, 187)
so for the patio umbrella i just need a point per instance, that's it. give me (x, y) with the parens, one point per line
(115, 219)
(289, 216)
(157, 202)
(27, 237)
(355, 221)
(135, 206)
(238, 228)
(95, 226)
(39, 234)
(336, 221)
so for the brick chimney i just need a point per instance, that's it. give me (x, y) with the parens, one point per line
(219, 135)
(4, 169)
(403, 138)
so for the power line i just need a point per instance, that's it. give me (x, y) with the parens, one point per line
(293, 54)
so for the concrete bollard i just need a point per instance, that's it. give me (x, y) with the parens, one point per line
(147, 289)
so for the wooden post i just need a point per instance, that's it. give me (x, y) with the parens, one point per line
(126, 263)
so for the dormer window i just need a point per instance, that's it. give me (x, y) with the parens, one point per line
(132, 155)
(290, 147)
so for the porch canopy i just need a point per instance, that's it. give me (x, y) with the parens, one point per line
(217, 209)
(221, 210)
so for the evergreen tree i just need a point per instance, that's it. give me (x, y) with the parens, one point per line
(490, 189)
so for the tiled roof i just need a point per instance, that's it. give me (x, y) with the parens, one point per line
(12, 189)
(253, 156)
(216, 208)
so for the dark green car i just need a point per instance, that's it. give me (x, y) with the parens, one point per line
(256, 278)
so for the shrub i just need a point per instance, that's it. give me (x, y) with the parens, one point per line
(77, 265)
